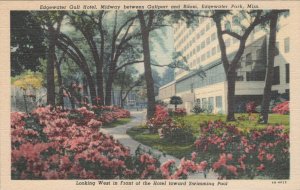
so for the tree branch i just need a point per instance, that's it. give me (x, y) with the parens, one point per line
(128, 63)
(233, 34)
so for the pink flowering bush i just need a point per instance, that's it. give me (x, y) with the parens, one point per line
(282, 108)
(174, 130)
(53, 144)
(234, 154)
(161, 118)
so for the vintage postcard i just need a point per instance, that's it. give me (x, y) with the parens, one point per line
(150, 94)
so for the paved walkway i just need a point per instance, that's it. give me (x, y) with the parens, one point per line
(139, 118)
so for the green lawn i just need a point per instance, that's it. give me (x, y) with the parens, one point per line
(121, 121)
(274, 119)
(142, 134)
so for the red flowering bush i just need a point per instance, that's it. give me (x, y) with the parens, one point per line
(234, 154)
(51, 144)
(161, 118)
(282, 108)
(175, 130)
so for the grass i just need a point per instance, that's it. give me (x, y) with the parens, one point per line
(274, 119)
(141, 133)
(121, 121)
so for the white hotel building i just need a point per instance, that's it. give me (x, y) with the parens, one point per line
(201, 48)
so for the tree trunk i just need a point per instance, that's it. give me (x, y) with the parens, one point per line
(270, 69)
(50, 68)
(99, 80)
(108, 88)
(230, 95)
(60, 84)
(92, 88)
(147, 63)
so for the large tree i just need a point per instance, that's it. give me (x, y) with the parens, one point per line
(51, 22)
(67, 45)
(92, 28)
(272, 52)
(123, 33)
(146, 26)
(254, 18)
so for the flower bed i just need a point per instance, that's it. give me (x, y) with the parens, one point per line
(175, 130)
(56, 144)
(282, 108)
(236, 154)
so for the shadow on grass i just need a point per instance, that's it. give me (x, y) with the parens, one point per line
(121, 121)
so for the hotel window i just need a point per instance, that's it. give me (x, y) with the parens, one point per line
(228, 26)
(277, 48)
(208, 54)
(213, 36)
(227, 42)
(276, 76)
(203, 45)
(287, 73)
(207, 26)
(202, 32)
(234, 40)
(194, 51)
(203, 57)
(213, 51)
(248, 59)
(211, 102)
(286, 45)
(208, 41)
(235, 20)
(198, 60)
(204, 103)
(219, 101)
(198, 101)
(198, 48)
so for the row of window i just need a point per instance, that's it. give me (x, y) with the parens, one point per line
(211, 76)
(215, 102)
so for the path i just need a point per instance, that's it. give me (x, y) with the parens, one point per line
(139, 118)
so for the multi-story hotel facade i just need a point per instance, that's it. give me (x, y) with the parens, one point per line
(205, 83)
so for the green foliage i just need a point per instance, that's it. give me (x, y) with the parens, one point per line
(197, 109)
(27, 42)
(179, 133)
(28, 80)
(175, 100)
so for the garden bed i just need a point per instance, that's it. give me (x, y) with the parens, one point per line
(242, 149)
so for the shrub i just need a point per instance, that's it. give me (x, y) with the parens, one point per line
(234, 154)
(161, 117)
(197, 109)
(49, 145)
(282, 108)
(176, 100)
(178, 131)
